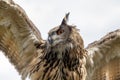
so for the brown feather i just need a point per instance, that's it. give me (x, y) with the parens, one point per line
(104, 57)
(18, 35)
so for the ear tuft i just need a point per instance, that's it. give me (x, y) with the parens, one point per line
(65, 19)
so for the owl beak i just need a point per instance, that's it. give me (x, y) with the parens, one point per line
(50, 40)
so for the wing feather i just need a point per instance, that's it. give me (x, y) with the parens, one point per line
(101, 55)
(18, 35)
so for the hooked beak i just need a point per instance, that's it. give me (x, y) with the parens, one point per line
(50, 40)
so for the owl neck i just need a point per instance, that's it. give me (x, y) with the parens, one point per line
(65, 58)
(68, 55)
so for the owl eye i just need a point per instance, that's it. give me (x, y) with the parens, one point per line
(60, 31)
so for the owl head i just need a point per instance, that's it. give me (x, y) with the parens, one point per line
(64, 35)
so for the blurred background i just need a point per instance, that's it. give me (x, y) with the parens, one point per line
(94, 18)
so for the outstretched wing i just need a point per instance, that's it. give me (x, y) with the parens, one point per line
(103, 61)
(18, 35)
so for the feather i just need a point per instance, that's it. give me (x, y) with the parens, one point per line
(103, 57)
(18, 35)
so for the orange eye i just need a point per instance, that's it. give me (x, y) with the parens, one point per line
(60, 31)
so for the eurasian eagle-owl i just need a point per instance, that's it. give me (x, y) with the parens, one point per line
(62, 56)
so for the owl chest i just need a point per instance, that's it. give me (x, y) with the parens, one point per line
(61, 67)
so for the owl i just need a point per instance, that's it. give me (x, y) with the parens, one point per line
(62, 56)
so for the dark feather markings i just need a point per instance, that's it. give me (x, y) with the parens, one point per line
(52, 61)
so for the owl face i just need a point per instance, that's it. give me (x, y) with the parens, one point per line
(60, 34)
